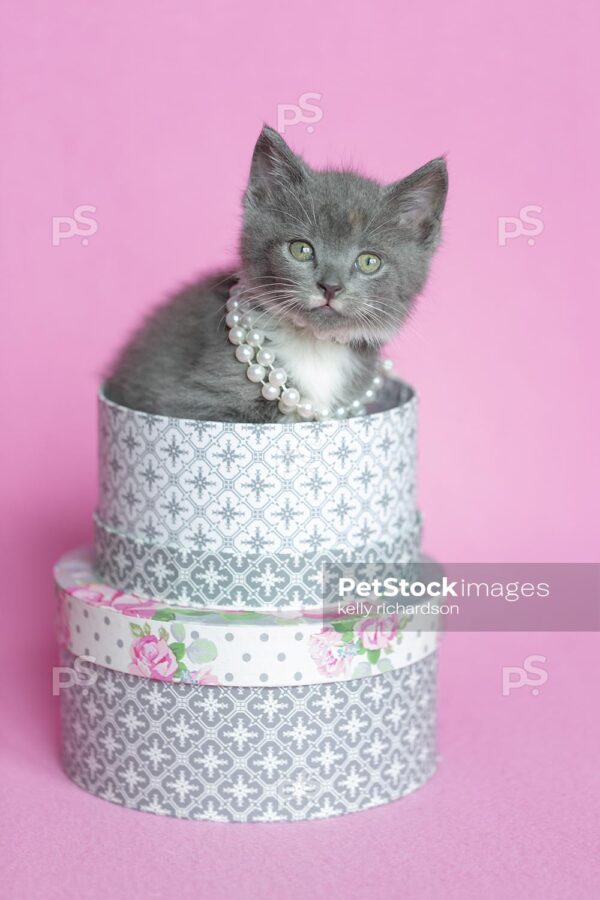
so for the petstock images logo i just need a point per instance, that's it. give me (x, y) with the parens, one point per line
(469, 596)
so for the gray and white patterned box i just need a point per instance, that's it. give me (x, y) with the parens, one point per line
(246, 754)
(234, 515)
(226, 517)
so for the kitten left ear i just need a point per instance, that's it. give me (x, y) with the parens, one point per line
(273, 165)
(419, 199)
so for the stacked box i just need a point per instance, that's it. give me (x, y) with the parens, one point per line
(210, 681)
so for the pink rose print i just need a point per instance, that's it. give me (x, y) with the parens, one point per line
(205, 676)
(97, 594)
(327, 651)
(128, 604)
(152, 658)
(378, 632)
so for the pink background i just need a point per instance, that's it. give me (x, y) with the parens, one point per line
(149, 111)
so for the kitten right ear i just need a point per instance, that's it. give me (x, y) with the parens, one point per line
(273, 166)
(419, 199)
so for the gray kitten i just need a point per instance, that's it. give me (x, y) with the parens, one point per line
(330, 262)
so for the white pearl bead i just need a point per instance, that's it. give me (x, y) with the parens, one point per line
(387, 365)
(232, 304)
(285, 409)
(265, 357)
(304, 408)
(244, 353)
(291, 397)
(248, 320)
(377, 381)
(340, 412)
(237, 335)
(278, 377)
(323, 412)
(270, 392)
(355, 406)
(254, 337)
(369, 395)
(256, 373)
(232, 318)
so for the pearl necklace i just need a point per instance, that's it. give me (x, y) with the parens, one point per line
(262, 368)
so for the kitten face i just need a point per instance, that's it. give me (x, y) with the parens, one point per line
(333, 252)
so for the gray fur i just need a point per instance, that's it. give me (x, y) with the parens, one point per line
(180, 362)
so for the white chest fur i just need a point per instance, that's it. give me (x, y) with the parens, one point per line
(321, 370)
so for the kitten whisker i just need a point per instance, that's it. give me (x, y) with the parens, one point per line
(388, 222)
(250, 292)
(286, 214)
(285, 187)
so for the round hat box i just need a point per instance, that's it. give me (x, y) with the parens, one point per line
(201, 677)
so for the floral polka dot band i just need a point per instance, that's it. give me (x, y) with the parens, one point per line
(144, 637)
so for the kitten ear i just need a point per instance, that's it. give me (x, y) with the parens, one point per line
(273, 165)
(419, 199)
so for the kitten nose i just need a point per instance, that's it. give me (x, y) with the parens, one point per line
(329, 290)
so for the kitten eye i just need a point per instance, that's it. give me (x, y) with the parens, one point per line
(368, 263)
(302, 251)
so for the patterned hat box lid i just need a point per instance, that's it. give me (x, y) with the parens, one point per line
(141, 636)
